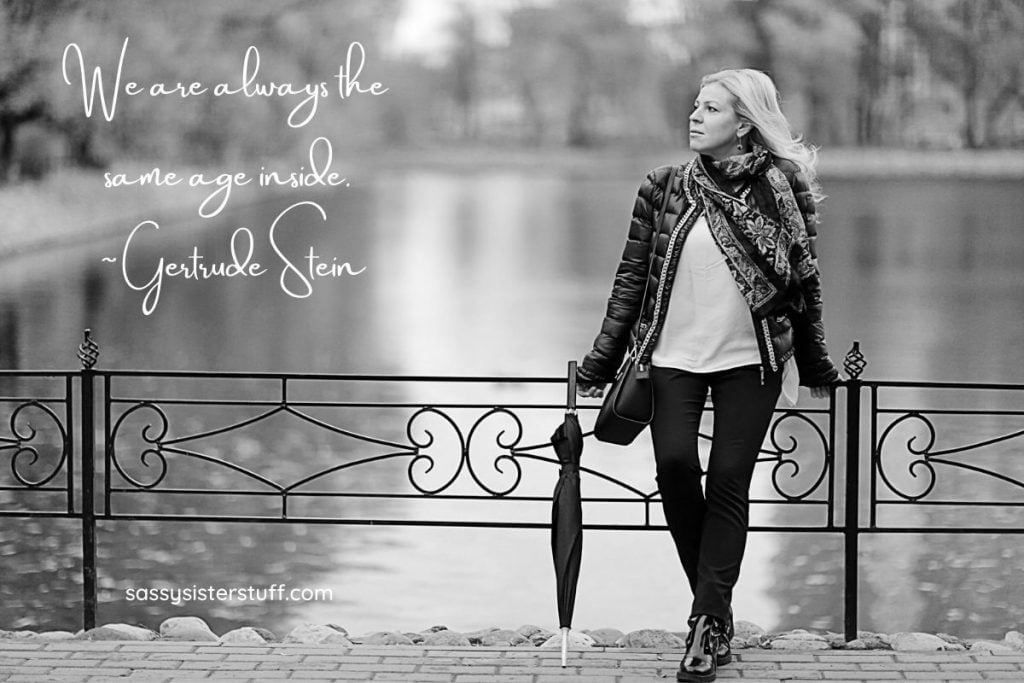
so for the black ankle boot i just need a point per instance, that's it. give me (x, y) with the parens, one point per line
(700, 663)
(723, 655)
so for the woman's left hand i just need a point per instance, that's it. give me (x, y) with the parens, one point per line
(821, 392)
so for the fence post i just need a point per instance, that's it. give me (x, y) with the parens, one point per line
(570, 397)
(853, 365)
(88, 353)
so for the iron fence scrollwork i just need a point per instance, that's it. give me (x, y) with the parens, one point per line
(470, 451)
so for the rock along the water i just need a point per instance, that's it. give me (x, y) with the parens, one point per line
(54, 635)
(133, 632)
(384, 638)
(799, 639)
(577, 640)
(498, 638)
(103, 633)
(448, 638)
(991, 646)
(316, 634)
(650, 637)
(605, 637)
(535, 634)
(917, 642)
(187, 628)
(243, 636)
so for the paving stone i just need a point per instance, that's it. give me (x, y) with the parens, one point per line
(247, 675)
(764, 656)
(219, 666)
(457, 669)
(151, 662)
(1004, 675)
(978, 666)
(547, 678)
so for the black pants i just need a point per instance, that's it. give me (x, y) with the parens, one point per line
(710, 527)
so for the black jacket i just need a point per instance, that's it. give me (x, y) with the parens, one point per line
(793, 328)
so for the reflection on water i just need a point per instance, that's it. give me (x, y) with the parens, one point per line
(503, 273)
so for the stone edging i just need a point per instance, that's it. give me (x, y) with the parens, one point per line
(748, 636)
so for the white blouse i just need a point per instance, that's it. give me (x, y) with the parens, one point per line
(708, 326)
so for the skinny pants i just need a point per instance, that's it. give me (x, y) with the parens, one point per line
(709, 527)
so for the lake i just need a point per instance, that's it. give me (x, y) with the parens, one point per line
(503, 273)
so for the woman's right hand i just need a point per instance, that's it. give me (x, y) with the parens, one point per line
(590, 391)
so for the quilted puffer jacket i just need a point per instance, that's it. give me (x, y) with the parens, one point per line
(793, 328)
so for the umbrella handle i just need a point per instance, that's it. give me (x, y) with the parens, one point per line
(570, 400)
(565, 645)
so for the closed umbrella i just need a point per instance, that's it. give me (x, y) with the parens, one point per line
(567, 513)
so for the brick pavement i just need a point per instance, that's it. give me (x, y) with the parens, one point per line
(177, 661)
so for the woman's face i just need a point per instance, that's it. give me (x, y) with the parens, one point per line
(715, 127)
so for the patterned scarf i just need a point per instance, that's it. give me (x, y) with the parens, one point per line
(765, 255)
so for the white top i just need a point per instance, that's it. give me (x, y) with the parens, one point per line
(708, 326)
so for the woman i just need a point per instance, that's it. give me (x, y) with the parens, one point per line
(732, 307)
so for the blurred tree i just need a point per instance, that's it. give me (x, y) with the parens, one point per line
(580, 64)
(809, 47)
(817, 60)
(977, 47)
(871, 73)
(25, 37)
(528, 55)
(464, 65)
(757, 14)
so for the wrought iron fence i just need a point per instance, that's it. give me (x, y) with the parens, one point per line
(202, 446)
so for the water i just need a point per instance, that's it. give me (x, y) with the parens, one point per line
(503, 273)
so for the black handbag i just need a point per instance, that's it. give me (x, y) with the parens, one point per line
(628, 406)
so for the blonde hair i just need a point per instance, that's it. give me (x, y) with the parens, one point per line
(757, 101)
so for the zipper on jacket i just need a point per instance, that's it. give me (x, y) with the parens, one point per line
(661, 280)
(668, 259)
(768, 347)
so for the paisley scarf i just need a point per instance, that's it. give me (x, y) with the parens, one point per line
(766, 255)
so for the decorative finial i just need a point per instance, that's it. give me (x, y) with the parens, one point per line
(854, 362)
(88, 351)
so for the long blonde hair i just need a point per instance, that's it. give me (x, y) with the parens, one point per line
(757, 101)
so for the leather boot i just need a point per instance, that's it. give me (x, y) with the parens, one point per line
(700, 663)
(724, 653)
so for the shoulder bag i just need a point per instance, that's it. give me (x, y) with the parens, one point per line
(628, 406)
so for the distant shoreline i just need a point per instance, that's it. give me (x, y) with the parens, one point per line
(71, 206)
(835, 163)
